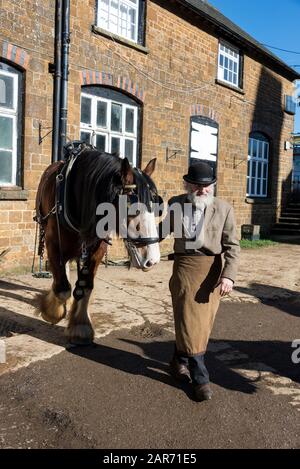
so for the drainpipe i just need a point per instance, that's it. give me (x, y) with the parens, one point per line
(57, 79)
(64, 81)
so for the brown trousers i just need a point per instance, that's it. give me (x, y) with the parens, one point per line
(196, 300)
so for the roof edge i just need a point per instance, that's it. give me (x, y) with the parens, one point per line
(247, 39)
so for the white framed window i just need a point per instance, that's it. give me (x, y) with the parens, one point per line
(229, 68)
(120, 17)
(8, 127)
(258, 165)
(109, 125)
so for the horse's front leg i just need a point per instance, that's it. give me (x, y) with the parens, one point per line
(80, 329)
(53, 304)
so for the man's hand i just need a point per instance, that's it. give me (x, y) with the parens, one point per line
(226, 286)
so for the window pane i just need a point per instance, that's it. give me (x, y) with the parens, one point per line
(250, 147)
(114, 15)
(115, 145)
(129, 120)
(85, 137)
(86, 106)
(265, 171)
(104, 5)
(100, 142)
(103, 14)
(259, 170)
(132, 21)
(259, 149)
(132, 31)
(129, 150)
(252, 186)
(116, 117)
(264, 187)
(253, 169)
(266, 150)
(114, 8)
(248, 185)
(5, 167)
(258, 187)
(101, 114)
(254, 148)
(221, 60)
(6, 133)
(6, 91)
(225, 75)
(123, 20)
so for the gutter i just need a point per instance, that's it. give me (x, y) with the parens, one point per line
(57, 80)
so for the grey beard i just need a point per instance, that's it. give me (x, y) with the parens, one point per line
(200, 202)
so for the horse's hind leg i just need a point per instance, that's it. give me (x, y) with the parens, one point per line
(53, 304)
(80, 329)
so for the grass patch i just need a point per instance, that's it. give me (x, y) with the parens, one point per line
(260, 243)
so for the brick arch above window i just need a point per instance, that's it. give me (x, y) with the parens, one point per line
(15, 55)
(202, 110)
(263, 129)
(131, 87)
(91, 77)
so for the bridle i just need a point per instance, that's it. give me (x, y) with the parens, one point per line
(132, 197)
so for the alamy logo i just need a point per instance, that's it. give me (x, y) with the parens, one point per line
(131, 221)
(296, 353)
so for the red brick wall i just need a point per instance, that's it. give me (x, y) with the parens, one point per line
(177, 73)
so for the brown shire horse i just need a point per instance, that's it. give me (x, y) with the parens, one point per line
(66, 205)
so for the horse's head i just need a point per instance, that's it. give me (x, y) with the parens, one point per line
(142, 204)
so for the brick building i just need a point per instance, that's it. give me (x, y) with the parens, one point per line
(172, 79)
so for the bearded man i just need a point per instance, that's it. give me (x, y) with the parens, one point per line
(206, 251)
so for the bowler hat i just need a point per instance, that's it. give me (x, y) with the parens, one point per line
(200, 173)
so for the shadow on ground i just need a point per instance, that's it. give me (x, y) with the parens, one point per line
(283, 299)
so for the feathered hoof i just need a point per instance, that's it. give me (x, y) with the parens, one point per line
(52, 308)
(80, 334)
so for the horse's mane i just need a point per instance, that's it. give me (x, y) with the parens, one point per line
(95, 178)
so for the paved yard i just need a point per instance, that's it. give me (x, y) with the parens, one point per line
(125, 298)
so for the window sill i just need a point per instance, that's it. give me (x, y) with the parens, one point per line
(230, 87)
(258, 200)
(13, 193)
(119, 39)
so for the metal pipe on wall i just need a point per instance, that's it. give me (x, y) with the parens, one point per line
(64, 80)
(57, 79)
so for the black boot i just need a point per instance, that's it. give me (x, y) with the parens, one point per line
(179, 368)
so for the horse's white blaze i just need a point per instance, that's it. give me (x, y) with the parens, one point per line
(153, 251)
(147, 255)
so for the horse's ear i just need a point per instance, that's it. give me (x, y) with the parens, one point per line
(150, 167)
(126, 172)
